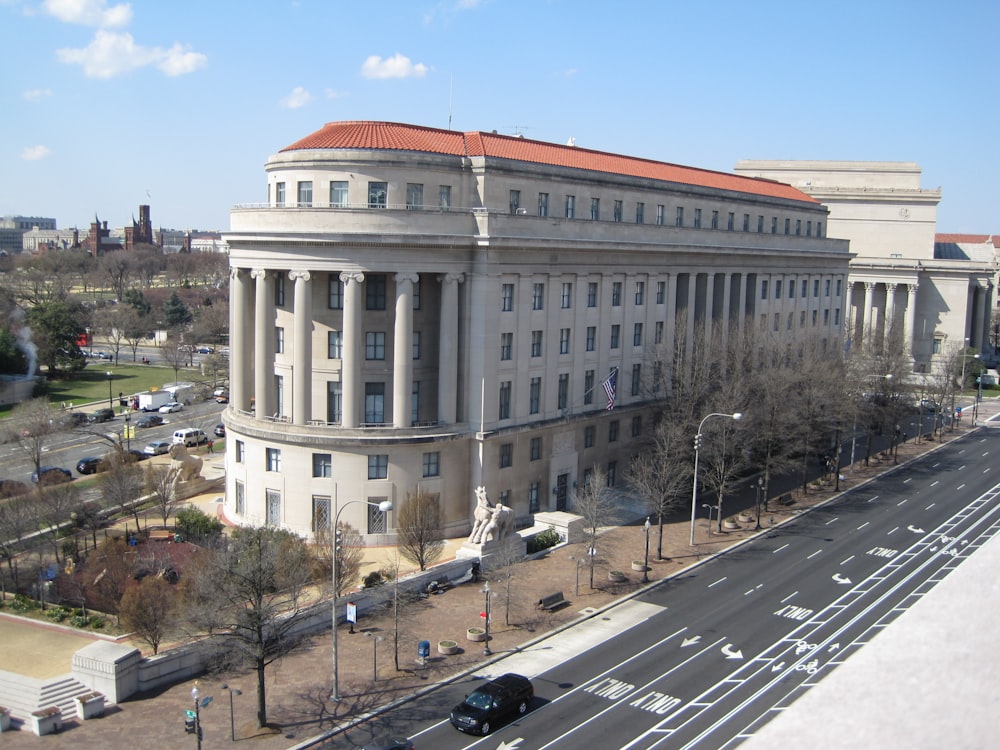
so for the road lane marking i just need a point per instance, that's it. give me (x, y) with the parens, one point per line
(847, 560)
(831, 521)
(719, 581)
(789, 597)
(814, 554)
(863, 525)
(893, 531)
(779, 548)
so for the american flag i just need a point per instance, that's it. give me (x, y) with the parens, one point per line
(609, 388)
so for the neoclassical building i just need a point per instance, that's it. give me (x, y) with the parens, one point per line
(416, 309)
(902, 283)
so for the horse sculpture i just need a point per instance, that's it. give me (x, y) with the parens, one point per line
(185, 466)
(491, 521)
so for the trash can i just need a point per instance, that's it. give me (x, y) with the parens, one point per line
(424, 649)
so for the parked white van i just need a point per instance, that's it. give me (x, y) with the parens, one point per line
(190, 437)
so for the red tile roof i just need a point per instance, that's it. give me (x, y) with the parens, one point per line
(402, 137)
(973, 239)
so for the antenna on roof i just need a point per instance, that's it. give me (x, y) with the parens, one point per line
(518, 130)
(451, 98)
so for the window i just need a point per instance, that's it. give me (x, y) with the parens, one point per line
(321, 513)
(788, 325)
(661, 292)
(515, 201)
(506, 455)
(819, 228)
(416, 293)
(640, 292)
(335, 292)
(506, 346)
(375, 345)
(809, 229)
(763, 288)
(836, 316)
(679, 218)
(798, 226)
(533, 494)
(616, 294)
(777, 322)
(731, 221)
(760, 224)
(279, 195)
(777, 289)
(595, 209)
(507, 297)
(378, 466)
(416, 345)
(444, 196)
(774, 225)
(617, 211)
(616, 331)
(591, 338)
(640, 211)
(715, 219)
(566, 300)
(788, 224)
(613, 431)
(338, 194)
(504, 407)
(536, 343)
(273, 502)
(378, 519)
(586, 476)
(838, 286)
(589, 433)
(802, 319)
(592, 294)
(378, 193)
(273, 459)
(661, 214)
(279, 340)
(241, 452)
(375, 291)
(279, 289)
(805, 288)
(415, 403)
(697, 218)
(658, 333)
(570, 206)
(746, 222)
(279, 389)
(537, 296)
(563, 391)
(564, 341)
(815, 287)
(241, 498)
(588, 387)
(334, 402)
(826, 317)
(305, 194)
(636, 379)
(414, 195)
(637, 334)
(815, 317)
(374, 403)
(636, 426)
(322, 465)
(432, 464)
(612, 473)
(534, 395)
(535, 449)
(543, 204)
(826, 286)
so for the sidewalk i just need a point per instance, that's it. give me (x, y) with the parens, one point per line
(299, 685)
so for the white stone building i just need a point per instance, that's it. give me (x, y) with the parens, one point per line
(415, 308)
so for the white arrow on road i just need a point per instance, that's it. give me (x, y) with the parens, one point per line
(730, 654)
(778, 667)
(841, 579)
(915, 529)
(512, 745)
(834, 647)
(690, 641)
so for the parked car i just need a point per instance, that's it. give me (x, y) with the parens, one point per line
(492, 702)
(190, 437)
(103, 355)
(101, 415)
(205, 350)
(389, 743)
(133, 455)
(51, 475)
(150, 420)
(91, 465)
(75, 419)
(157, 448)
(170, 407)
(220, 430)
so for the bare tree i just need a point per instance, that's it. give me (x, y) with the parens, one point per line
(58, 503)
(134, 326)
(661, 473)
(121, 486)
(350, 552)
(418, 529)
(175, 355)
(18, 517)
(30, 427)
(149, 610)
(721, 453)
(595, 503)
(108, 572)
(161, 487)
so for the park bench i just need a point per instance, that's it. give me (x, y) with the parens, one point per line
(786, 499)
(161, 535)
(439, 585)
(552, 601)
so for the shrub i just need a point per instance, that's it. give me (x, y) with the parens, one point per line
(196, 525)
(56, 614)
(22, 603)
(373, 579)
(96, 622)
(544, 540)
(79, 621)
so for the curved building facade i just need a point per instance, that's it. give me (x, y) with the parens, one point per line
(416, 309)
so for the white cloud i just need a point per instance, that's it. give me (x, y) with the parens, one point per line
(90, 12)
(33, 94)
(111, 54)
(333, 94)
(397, 66)
(34, 153)
(298, 98)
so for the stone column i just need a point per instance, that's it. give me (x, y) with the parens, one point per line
(448, 349)
(264, 343)
(741, 314)
(867, 335)
(890, 316)
(911, 318)
(670, 340)
(402, 352)
(240, 326)
(709, 306)
(727, 310)
(350, 372)
(302, 348)
(691, 303)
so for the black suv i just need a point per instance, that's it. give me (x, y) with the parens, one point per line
(507, 695)
(102, 415)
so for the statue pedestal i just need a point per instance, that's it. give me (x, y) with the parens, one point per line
(494, 553)
(198, 486)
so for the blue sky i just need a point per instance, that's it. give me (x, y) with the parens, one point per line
(179, 103)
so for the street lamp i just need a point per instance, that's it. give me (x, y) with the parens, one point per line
(232, 722)
(737, 416)
(759, 488)
(195, 696)
(384, 506)
(128, 430)
(375, 641)
(645, 559)
(711, 509)
(486, 643)
(110, 397)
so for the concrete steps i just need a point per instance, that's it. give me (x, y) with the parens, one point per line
(24, 695)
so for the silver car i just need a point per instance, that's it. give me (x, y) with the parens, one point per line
(157, 448)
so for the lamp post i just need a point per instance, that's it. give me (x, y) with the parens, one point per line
(711, 509)
(232, 721)
(128, 430)
(961, 384)
(195, 696)
(737, 416)
(979, 397)
(110, 397)
(375, 639)
(645, 559)
(486, 643)
(384, 506)
(759, 488)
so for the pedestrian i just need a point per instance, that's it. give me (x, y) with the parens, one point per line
(211, 446)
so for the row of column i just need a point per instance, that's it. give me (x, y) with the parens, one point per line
(261, 395)
(869, 311)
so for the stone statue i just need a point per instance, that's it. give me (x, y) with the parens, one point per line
(186, 467)
(490, 521)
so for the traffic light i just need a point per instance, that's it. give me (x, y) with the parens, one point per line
(189, 722)
(697, 441)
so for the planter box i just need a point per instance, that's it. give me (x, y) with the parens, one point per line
(730, 525)
(4, 719)
(447, 647)
(638, 565)
(616, 576)
(475, 634)
(46, 721)
(89, 705)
